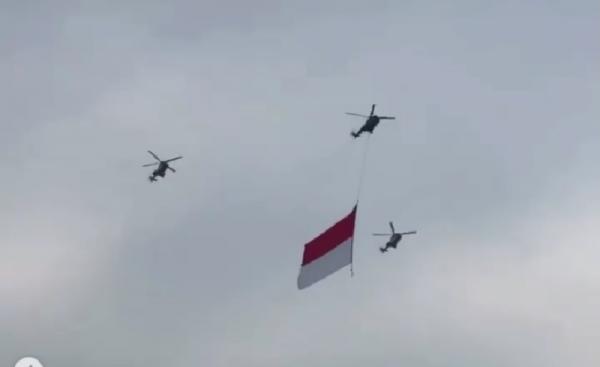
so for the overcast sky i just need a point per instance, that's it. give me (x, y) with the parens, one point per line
(492, 158)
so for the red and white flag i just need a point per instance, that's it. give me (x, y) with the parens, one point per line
(328, 252)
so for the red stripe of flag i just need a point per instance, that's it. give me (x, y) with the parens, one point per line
(330, 239)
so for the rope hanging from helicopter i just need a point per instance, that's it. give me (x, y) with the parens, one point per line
(363, 169)
(361, 181)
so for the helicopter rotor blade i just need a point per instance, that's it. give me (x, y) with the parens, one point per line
(381, 234)
(154, 155)
(392, 227)
(372, 110)
(411, 232)
(150, 164)
(387, 118)
(357, 114)
(171, 169)
(173, 159)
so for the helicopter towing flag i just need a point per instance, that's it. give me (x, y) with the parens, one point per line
(328, 252)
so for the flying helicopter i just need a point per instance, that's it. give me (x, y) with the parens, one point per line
(163, 166)
(370, 124)
(394, 238)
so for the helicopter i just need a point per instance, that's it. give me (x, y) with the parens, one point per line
(162, 166)
(394, 238)
(370, 124)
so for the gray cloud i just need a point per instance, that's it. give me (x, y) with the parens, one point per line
(491, 159)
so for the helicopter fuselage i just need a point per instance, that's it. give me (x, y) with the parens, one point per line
(371, 124)
(161, 170)
(393, 242)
